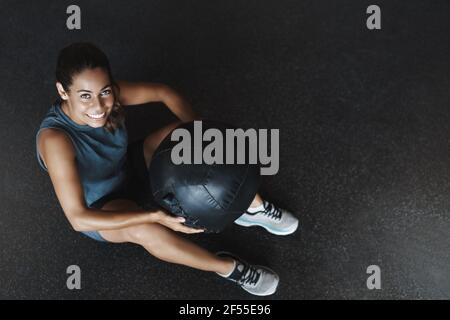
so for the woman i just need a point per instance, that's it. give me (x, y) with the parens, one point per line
(99, 179)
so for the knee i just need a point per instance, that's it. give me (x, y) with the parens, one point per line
(151, 236)
(152, 142)
(154, 139)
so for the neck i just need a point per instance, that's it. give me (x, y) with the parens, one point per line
(65, 109)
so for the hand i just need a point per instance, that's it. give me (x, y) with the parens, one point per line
(174, 223)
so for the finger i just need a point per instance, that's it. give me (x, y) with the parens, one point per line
(185, 229)
(180, 227)
(172, 222)
(193, 230)
(176, 219)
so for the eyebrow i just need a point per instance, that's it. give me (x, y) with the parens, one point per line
(108, 85)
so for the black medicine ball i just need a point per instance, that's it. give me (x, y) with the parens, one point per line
(208, 196)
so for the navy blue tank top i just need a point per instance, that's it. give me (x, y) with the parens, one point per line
(100, 155)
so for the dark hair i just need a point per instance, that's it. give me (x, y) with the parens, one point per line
(77, 57)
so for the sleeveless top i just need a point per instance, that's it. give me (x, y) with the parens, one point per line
(100, 155)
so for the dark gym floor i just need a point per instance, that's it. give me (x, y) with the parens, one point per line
(364, 141)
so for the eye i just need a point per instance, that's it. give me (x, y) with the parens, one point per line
(107, 92)
(85, 96)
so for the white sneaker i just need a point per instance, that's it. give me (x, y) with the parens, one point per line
(273, 219)
(257, 280)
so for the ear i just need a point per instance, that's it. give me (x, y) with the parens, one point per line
(63, 94)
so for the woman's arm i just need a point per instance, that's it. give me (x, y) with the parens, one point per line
(177, 104)
(133, 93)
(59, 156)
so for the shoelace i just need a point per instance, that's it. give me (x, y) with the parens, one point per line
(250, 276)
(272, 211)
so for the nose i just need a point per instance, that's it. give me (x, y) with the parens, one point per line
(98, 107)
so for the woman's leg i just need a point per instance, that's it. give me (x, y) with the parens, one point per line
(164, 243)
(154, 139)
(257, 201)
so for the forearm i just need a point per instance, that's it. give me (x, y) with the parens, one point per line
(93, 219)
(178, 105)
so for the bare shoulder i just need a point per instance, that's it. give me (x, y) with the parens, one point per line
(55, 137)
(54, 143)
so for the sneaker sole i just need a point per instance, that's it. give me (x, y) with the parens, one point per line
(245, 223)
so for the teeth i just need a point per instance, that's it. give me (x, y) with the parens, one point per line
(96, 116)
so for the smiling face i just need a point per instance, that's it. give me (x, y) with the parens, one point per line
(90, 98)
